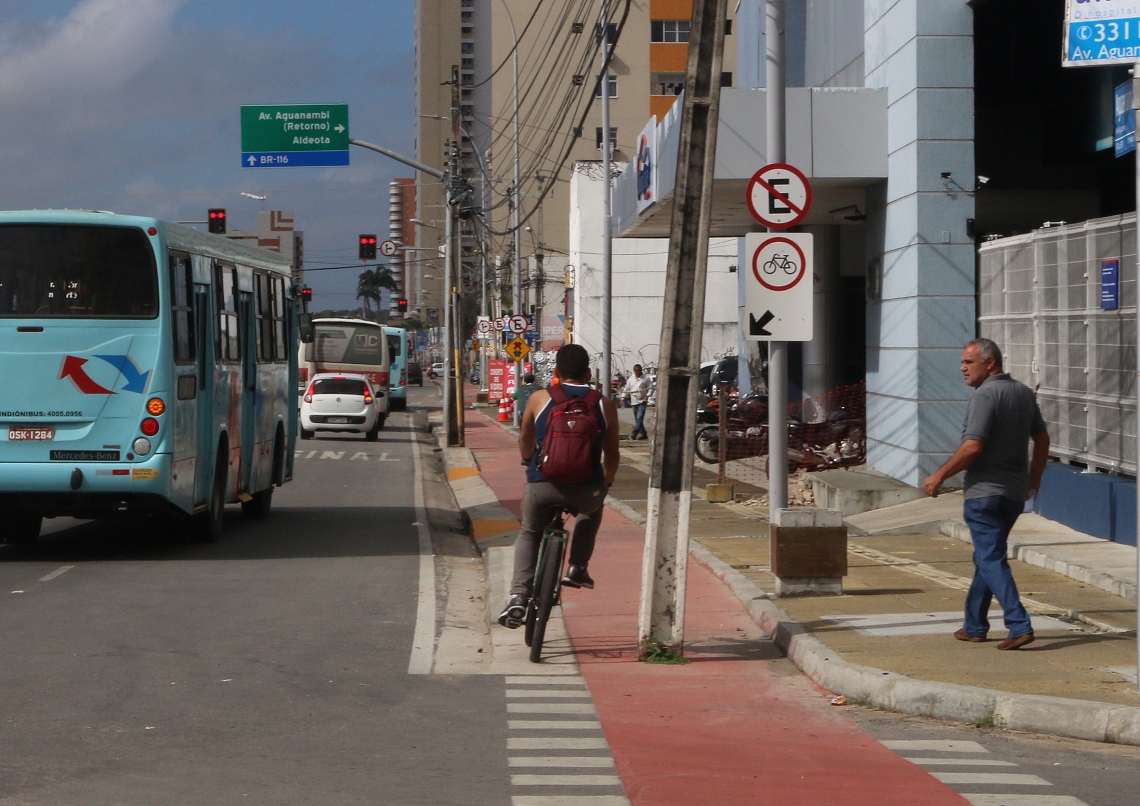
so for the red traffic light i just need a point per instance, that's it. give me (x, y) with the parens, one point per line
(367, 247)
(306, 293)
(216, 220)
(402, 305)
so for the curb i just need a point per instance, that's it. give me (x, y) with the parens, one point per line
(1056, 716)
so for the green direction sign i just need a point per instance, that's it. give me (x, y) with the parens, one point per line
(294, 135)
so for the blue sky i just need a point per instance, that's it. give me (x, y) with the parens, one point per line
(133, 106)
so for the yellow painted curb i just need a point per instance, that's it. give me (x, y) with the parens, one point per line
(489, 527)
(461, 473)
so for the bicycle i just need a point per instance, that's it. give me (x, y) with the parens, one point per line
(779, 261)
(547, 583)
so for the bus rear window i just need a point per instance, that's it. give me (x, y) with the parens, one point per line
(348, 344)
(76, 271)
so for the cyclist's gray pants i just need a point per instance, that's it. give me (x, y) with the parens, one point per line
(541, 502)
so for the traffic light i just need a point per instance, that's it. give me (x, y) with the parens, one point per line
(217, 220)
(306, 295)
(402, 306)
(367, 247)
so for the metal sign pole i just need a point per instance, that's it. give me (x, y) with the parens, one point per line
(777, 350)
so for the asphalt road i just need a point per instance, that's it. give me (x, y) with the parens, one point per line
(270, 668)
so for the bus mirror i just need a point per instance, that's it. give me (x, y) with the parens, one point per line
(305, 327)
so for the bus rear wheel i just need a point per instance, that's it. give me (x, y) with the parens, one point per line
(207, 526)
(20, 527)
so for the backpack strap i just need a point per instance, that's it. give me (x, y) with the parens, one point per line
(556, 393)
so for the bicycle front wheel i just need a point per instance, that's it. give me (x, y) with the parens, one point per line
(545, 593)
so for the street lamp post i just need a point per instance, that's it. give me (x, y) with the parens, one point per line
(516, 197)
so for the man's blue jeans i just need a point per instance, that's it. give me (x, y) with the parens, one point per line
(638, 418)
(990, 520)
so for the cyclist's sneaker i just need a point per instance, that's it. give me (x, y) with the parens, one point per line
(514, 613)
(577, 577)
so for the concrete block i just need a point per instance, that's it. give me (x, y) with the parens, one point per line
(852, 491)
(719, 493)
(942, 700)
(1123, 726)
(809, 586)
(1076, 719)
(807, 517)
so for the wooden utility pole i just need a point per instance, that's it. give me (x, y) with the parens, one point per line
(662, 610)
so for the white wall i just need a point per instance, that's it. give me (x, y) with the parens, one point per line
(638, 283)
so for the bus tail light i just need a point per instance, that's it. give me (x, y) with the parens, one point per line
(150, 426)
(155, 406)
(382, 378)
(402, 382)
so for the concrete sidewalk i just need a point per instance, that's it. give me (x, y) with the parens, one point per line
(887, 641)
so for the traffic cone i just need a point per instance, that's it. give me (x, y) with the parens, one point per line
(504, 415)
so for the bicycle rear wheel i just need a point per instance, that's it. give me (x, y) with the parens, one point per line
(545, 594)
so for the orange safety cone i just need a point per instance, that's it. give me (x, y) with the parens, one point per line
(504, 415)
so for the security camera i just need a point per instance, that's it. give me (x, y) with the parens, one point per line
(947, 174)
(983, 180)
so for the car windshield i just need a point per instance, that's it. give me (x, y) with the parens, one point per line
(76, 271)
(338, 386)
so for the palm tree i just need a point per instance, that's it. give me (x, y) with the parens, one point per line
(370, 282)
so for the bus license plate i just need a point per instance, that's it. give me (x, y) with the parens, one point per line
(30, 433)
(338, 420)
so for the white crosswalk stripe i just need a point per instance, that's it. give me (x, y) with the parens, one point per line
(960, 754)
(563, 757)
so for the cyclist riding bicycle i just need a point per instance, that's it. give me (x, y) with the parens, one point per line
(544, 500)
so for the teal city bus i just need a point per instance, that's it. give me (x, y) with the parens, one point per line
(398, 378)
(146, 367)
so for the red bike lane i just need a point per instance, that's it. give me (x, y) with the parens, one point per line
(737, 724)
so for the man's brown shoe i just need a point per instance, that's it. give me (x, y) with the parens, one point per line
(962, 635)
(1016, 643)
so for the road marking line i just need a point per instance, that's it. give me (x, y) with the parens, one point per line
(423, 640)
(331, 454)
(523, 692)
(944, 746)
(550, 708)
(990, 778)
(552, 724)
(545, 680)
(560, 761)
(384, 458)
(1024, 800)
(56, 573)
(565, 780)
(555, 743)
(962, 762)
(569, 800)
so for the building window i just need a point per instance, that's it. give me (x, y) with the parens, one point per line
(613, 138)
(669, 31)
(728, 27)
(613, 88)
(666, 83)
(726, 79)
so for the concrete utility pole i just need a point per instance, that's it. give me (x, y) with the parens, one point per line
(777, 350)
(516, 199)
(455, 273)
(662, 611)
(607, 211)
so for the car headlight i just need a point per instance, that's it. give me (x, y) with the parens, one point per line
(141, 446)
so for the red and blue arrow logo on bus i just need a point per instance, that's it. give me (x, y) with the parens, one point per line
(135, 380)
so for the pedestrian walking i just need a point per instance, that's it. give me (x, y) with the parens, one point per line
(523, 393)
(1001, 417)
(637, 388)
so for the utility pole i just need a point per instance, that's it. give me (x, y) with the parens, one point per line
(777, 350)
(1136, 106)
(607, 210)
(539, 272)
(662, 610)
(454, 272)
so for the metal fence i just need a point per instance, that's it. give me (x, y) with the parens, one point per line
(1040, 299)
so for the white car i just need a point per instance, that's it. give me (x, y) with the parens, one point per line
(437, 369)
(340, 402)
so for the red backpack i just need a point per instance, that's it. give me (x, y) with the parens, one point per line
(572, 446)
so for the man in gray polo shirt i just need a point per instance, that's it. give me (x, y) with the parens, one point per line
(1001, 418)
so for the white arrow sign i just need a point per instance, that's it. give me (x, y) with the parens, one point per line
(339, 128)
(252, 160)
